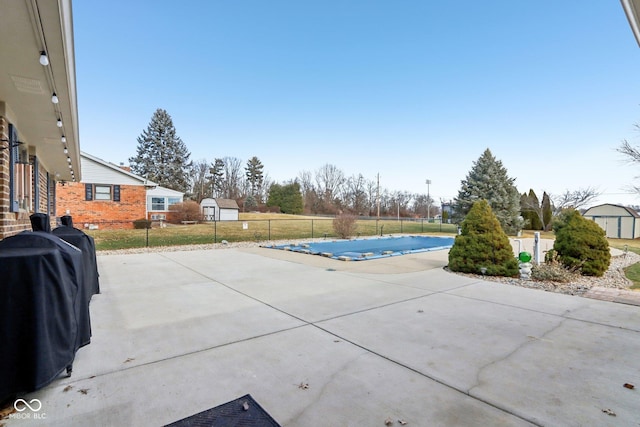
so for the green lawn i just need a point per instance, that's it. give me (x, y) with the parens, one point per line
(633, 271)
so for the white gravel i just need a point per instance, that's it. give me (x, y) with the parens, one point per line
(613, 278)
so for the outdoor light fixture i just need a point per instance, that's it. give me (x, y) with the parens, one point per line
(65, 150)
(54, 98)
(70, 167)
(69, 159)
(44, 59)
(59, 123)
(63, 139)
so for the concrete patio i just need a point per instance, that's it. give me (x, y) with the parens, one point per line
(319, 342)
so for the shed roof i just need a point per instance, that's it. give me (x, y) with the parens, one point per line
(227, 204)
(629, 210)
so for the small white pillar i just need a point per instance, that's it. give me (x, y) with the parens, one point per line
(536, 247)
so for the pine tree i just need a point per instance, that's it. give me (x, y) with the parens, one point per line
(525, 212)
(547, 211)
(217, 177)
(161, 156)
(482, 247)
(531, 210)
(255, 176)
(488, 180)
(581, 244)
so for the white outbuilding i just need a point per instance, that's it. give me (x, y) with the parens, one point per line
(618, 222)
(219, 209)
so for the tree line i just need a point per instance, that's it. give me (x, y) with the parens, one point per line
(162, 157)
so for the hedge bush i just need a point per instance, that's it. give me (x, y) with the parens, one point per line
(141, 224)
(482, 247)
(581, 244)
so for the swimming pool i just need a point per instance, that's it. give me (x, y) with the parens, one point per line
(364, 249)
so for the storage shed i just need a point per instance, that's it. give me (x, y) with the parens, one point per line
(219, 209)
(618, 222)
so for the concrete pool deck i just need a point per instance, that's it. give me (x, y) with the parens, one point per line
(320, 342)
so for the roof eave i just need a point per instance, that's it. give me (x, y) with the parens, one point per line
(631, 8)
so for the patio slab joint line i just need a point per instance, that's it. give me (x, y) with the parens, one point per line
(422, 374)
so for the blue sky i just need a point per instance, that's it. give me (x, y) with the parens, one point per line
(412, 90)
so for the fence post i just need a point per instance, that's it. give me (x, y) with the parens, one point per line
(422, 225)
(147, 228)
(269, 229)
(215, 231)
(401, 225)
(312, 229)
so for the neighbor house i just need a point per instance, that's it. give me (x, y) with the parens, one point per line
(159, 200)
(110, 196)
(39, 143)
(618, 222)
(219, 209)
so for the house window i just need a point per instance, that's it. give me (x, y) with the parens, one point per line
(102, 192)
(21, 172)
(157, 204)
(174, 200)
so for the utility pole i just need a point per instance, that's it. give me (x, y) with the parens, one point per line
(378, 203)
(428, 182)
(378, 197)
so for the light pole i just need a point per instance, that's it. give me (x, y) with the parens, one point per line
(428, 182)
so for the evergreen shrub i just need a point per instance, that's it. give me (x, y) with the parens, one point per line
(482, 247)
(581, 244)
(141, 224)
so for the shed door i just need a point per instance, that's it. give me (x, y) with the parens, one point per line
(209, 213)
(611, 225)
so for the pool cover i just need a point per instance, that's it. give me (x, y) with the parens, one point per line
(364, 249)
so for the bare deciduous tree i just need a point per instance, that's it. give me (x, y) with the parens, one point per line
(329, 179)
(200, 180)
(575, 199)
(354, 194)
(233, 182)
(632, 155)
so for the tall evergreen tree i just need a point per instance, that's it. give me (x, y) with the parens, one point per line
(547, 211)
(488, 180)
(531, 210)
(536, 221)
(217, 177)
(161, 155)
(255, 176)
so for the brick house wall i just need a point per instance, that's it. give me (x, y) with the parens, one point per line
(106, 214)
(12, 223)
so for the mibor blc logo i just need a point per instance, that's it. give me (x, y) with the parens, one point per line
(28, 410)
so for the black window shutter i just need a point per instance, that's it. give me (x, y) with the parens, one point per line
(116, 193)
(88, 191)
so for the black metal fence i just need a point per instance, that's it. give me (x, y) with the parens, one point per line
(258, 230)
